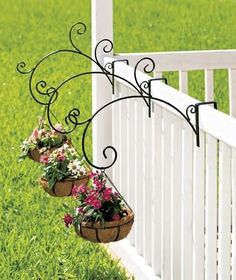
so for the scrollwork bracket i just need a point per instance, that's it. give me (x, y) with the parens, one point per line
(194, 109)
(143, 89)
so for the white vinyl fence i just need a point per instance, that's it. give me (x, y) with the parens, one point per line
(184, 197)
(186, 61)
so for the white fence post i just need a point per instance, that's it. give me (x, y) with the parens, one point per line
(102, 28)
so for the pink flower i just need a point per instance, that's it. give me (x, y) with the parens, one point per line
(35, 133)
(98, 184)
(93, 193)
(106, 197)
(74, 190)
(89, 200)
(44, 158)
(60, 157)
(96, 204)
(116, 217)
(68, 220)
(82, 189)
(92, 174)
(107, 191)
(91, 197)
(79, 189)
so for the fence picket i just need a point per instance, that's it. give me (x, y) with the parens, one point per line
(187, 206)
(176, 195)
(166, 196)
(139, 182)
(233, 214)
(224, 212)
(147, 136)
(131, 160)
(157, 191)
(209, 85)
(211, 207)
(198, 209)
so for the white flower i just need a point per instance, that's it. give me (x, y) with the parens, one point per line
(42, 150)
(65, 146)
(76, 168)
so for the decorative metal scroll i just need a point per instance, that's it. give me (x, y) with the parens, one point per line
(143, 90)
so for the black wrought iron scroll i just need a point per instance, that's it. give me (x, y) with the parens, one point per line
(143, 89)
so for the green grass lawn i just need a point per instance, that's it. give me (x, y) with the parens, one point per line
(34, 243)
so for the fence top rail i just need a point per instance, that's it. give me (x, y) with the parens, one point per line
(213, 122)
(186, 60)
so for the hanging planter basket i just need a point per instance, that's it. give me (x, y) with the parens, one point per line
(63, 188)
(35, 154)
(107, 232)
(43, 140)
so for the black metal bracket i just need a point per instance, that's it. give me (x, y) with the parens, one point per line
(150, 92)
(194, 109)
(113, 71)
(47, 95)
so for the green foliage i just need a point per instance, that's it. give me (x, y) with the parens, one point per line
(34, 243)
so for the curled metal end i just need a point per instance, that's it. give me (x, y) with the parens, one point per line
(79, 28)
(191, 109)
(148, 67)
(108, 67)
(144, 86)
(107, 47)
(20, 68)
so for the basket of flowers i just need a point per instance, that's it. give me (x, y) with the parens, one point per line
(101, 214)
(42, 139)
(63, 170)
